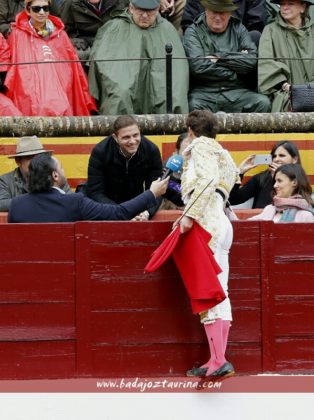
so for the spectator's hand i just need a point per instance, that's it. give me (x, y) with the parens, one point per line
(80, 44)
(273, 166)
(244, 51)
(286, 87)
(213, 58)
(247, 164)
(167, 7)
(159, 187)
(142, 217)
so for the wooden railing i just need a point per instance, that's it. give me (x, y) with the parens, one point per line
(75, 302)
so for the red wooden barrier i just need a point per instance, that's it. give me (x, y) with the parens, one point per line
(74, 301)
(3, 217)
(170, 214)
(37, 301)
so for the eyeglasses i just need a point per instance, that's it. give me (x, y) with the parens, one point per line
(37, 9)
(149, 12)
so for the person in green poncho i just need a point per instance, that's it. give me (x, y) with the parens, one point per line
(286, 51)
(223, 61)
(136, 82)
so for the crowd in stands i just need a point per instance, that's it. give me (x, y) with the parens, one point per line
(259, 187)
(125, 164)
(80, 57)
(124, 181)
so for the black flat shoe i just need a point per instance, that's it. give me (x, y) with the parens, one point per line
(197, 371)
(224, 372)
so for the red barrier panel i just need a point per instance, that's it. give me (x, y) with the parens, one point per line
(37, 301)
(75, 302)
(172, 215)
(166, 215)
(3, 217)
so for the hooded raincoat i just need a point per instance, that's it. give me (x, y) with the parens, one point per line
(45, 87)
(7, 109)
(137, 86)
(283, 46)
(10, 8)
(223, 84)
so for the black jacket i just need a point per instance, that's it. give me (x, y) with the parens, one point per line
(259, 187)
(114, 179)
(53, 206)
(81, 20)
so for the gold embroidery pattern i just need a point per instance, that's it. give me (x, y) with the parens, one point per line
(210, 162)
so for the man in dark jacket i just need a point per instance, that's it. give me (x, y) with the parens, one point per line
(123, 165)
(46, 202)
(83, 18)
(252, 13)
(222, 55)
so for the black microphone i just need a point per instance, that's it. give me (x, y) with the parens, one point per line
(174, 164)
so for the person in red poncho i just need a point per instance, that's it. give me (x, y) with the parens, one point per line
(41, 86)
(209, 173)
(7, 107)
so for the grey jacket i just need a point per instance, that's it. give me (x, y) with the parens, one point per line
(12, 184)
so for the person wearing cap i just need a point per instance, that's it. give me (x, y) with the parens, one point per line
(219, 80)
(273, 10)
(252, 14)
(288, 48)
(136, 82)
(47, 203)
(14, 183)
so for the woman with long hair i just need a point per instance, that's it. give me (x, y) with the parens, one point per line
(292, 200)
(46, 78)
(259, 187)
(286, 50)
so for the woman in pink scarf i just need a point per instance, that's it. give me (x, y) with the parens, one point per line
(292, 201)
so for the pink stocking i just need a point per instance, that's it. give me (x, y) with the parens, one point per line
(216, 343)
(225, 333)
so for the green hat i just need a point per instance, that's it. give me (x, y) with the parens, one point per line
(302, 1)
(219, 5)
(146, 4)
